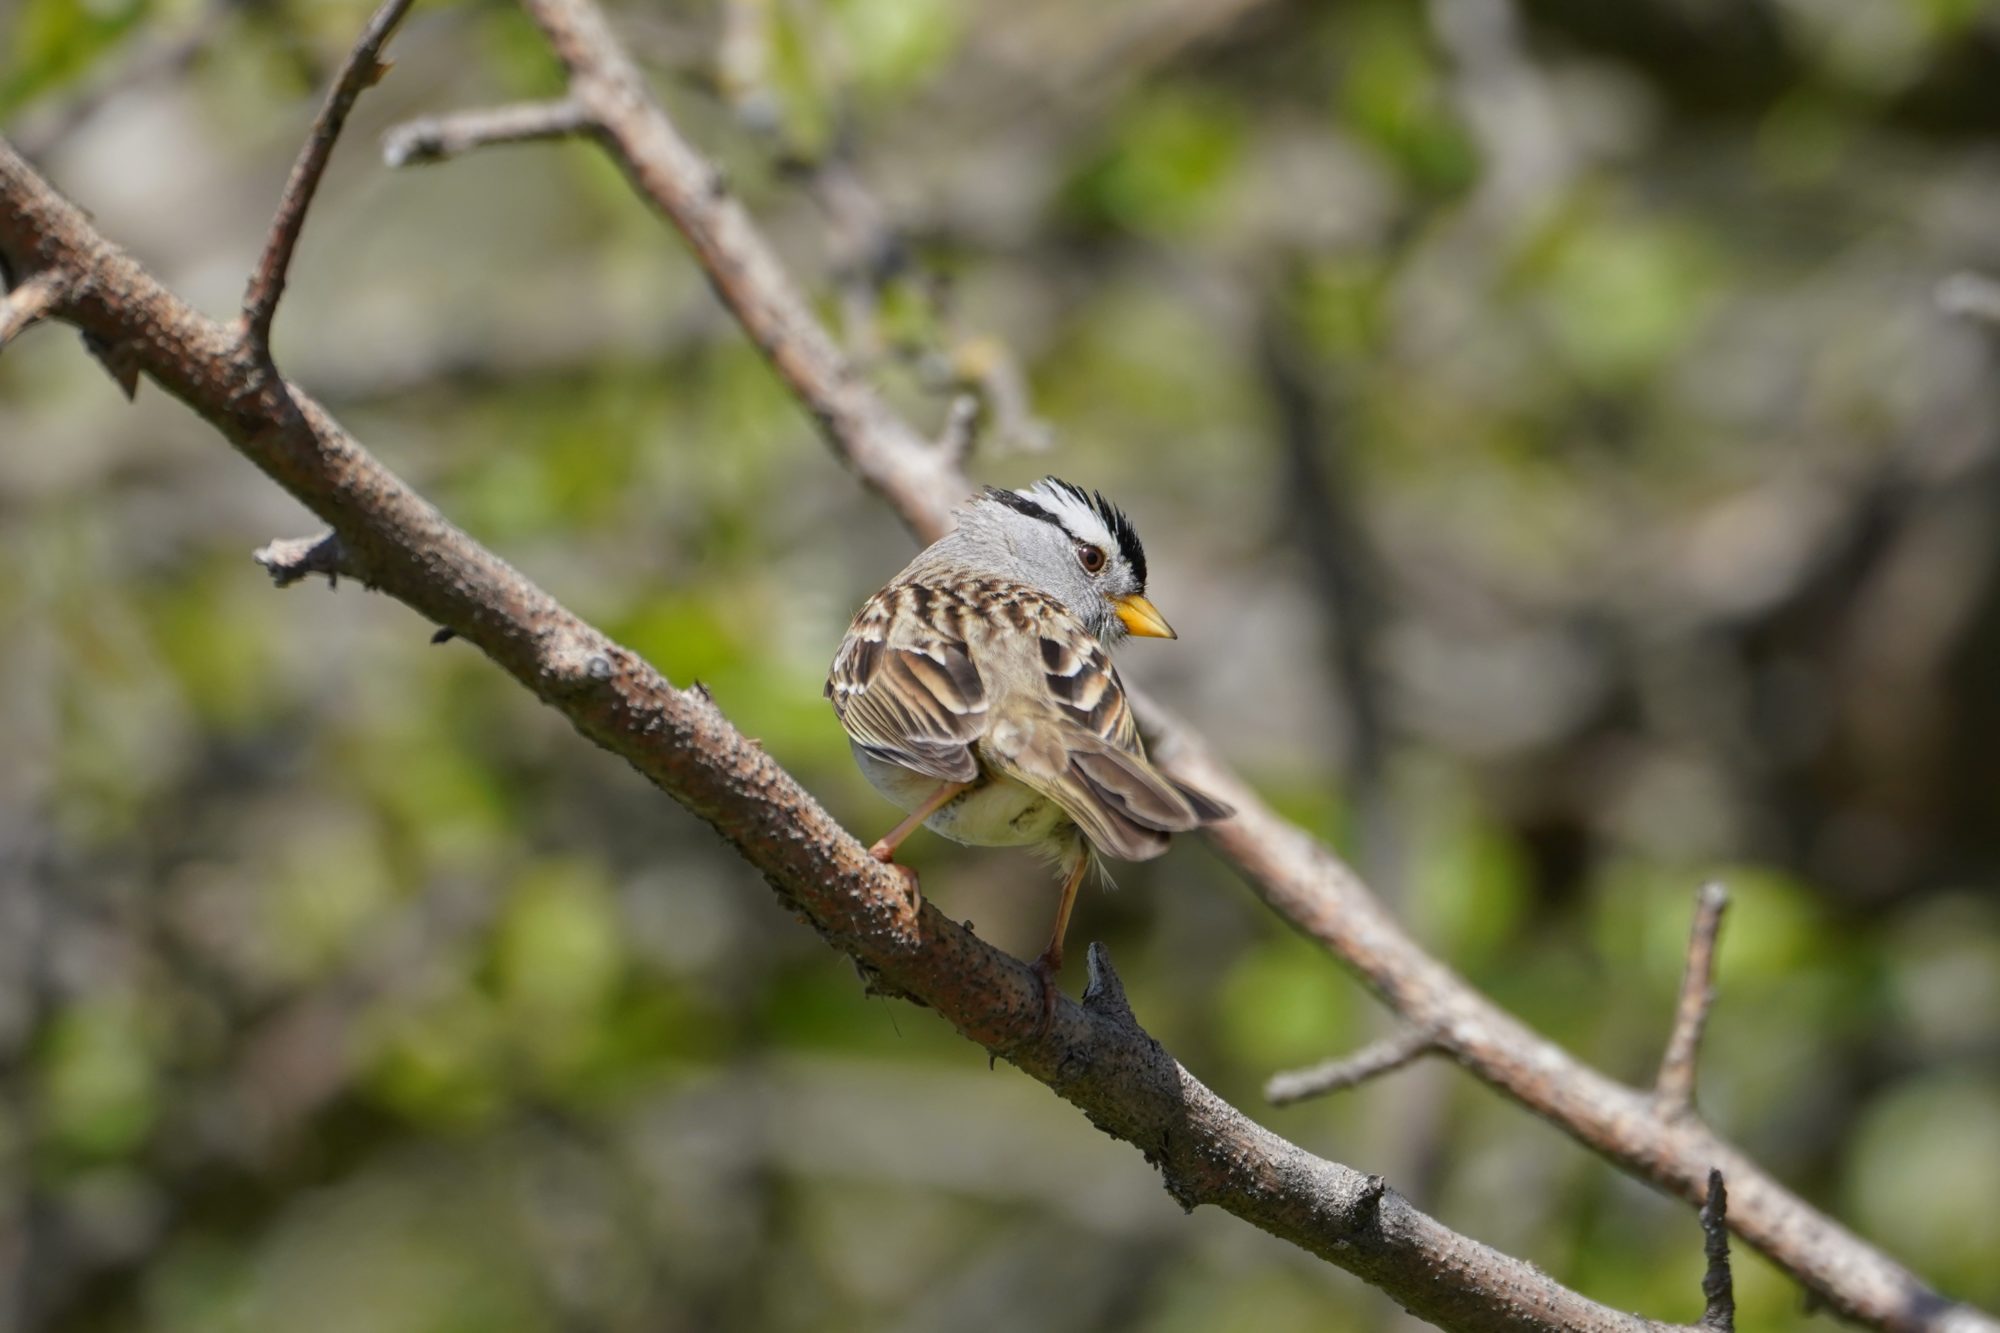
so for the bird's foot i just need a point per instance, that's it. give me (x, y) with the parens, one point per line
(911, 885)
(1046, 968)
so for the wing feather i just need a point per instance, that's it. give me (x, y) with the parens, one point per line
(905, 688)
(1078, 744)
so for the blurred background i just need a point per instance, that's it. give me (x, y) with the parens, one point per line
(1568, 442)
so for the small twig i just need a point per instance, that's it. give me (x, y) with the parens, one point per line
(1371, 1061)
(289, 559)
(1718, 1288)
(1971, 296)
(364, 69)
(35, 297)
(1673, 1090)
(961, 428)
(438, 138)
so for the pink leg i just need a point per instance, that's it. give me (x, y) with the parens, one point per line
(885, 847)
(1050, 963)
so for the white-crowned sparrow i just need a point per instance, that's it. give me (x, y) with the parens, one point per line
(977, 693)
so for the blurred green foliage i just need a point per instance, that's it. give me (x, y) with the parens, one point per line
(343, 987)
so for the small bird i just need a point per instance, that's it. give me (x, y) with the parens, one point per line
(978, 695)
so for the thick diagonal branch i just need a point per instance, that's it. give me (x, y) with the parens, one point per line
(1094, 1055)
(1297, 876)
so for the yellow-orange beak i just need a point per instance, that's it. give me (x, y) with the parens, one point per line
(1143, 620)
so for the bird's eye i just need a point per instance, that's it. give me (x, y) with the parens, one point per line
(1091, 557)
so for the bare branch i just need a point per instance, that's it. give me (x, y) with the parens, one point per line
(37, 295)
(1673, 1091)
(1371, 1061)
(1305, 883)
(362, 70)
(1097, 1057)
(437, 138)
(289, 559)
(1718, 1288)
(692, 195)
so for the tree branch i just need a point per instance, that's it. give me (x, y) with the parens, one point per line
(677, 739)
(437, 138)
(362, 70)
(31, 301)
(1371, 1061)
(1095, 1055)
(1305, 883)
(1296, 876)
(693, 195)
(1673, 1090)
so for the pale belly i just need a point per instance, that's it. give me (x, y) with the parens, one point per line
(997, 813)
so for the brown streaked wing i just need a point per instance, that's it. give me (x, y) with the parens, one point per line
(1086, 688)
(918, 702)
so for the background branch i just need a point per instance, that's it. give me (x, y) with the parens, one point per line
(437, 138)
(1674, 1089)
(1371, 1061)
